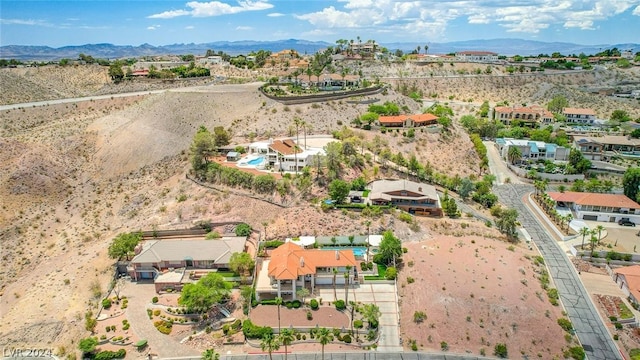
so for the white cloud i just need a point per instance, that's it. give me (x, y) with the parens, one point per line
(213, 8)
(190, 27)
(153, 27)
(244, 28)
(28, 22)
(433, 16)
(276, 14)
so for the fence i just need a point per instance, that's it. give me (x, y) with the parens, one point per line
(303, 99)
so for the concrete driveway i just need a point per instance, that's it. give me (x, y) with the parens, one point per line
(383, 295)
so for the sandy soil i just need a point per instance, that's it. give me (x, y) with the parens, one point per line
(477, 292)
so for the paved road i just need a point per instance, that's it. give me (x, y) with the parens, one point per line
(356, 356)
(589, 327)
(497, 167)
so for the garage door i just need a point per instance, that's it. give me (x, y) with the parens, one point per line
(590, 217)
(146, 275)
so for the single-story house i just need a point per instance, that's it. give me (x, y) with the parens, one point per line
(291, 267)
(162, 259)
(628, 278)
(408, 121)
(597, 206)
(412, 197)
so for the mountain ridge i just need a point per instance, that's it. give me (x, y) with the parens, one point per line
(504, 46)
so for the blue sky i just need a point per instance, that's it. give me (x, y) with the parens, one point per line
(161, 22)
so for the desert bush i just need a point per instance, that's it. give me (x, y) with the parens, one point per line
(410, 280)
(163, 326)
(391, 273)
(106, 303)
(577, 353)
(565, 324)
(109, 355)
(156, 312)
(444, 346)
(419, 316)
(154, 300)
(500, 350)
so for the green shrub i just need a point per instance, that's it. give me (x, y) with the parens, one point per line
(126, 326)
(156, 312)
(347, 339)
(314, 304)
(410, 280)
(617, 325)
(252, 331)
(390, 273)
(154, 300)
(163, 326)
(340, 305)
(577, 353)
(273, 244)
(309, 315)
(419, 316)
(565, 324)
(296, 304)
(444, 346)
(414, 345)
(106, 303)
(109, 355)
(289, 305)
(500, 350)
(243, 229)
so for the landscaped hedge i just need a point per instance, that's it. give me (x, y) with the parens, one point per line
(340, 305)
(314, 304)
(109, 355)
(272, 244)
(252, 331)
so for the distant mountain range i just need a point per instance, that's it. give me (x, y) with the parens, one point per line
(110, 51)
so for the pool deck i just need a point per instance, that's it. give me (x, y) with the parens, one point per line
(222, 160)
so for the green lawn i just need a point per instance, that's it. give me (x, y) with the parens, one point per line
(625, 312)
(381, 271)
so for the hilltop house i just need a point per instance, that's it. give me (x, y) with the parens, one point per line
(598, 207)
(529, 115)
(579, 115)
(408, 121)
(604, 147)
(533, 150)
(412, 197)
(166, 261)
(476, 56)
(285, 155)
(291, 267)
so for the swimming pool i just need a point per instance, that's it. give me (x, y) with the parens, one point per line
(257, 161)
(358, 252)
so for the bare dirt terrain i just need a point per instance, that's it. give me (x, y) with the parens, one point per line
(72, 176)
(477, 292)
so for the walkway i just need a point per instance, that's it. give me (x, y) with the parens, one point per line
(581, 311)
(383, 295)
(140, 296)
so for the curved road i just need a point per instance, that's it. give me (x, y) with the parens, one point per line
(589, 327)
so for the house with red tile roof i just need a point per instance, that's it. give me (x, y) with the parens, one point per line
(597, 206)
(284, 155)
(628, 278)
(291, 267)
(529, 115)
(408, 121)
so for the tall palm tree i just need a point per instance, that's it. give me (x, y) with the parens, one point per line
(270, 344)
(324, 337)
(286, 337)
(593, 240)
(335, 295)
(568, 219)
(278, 303)
(297, 122)
(346, 284)
(426, 49)
(584, 232)
(599, 228)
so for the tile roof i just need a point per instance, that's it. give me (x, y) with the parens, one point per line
(290, 260)
(595, 199)
(285, 147)
(632, 277)
(578, 111)
(475, 53)
(219, 251)
(423, 117)
(392, 119)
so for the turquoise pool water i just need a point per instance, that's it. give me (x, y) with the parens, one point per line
(358, 252)
(256, 161)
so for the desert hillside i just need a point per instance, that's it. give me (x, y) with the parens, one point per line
(72, 176)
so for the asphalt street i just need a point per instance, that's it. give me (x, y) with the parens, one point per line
(590, 329)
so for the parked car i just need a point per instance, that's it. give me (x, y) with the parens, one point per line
(626, 222)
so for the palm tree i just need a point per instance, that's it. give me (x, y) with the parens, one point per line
(297, 121)
(426, 49)
(346, 284)
(278, 303)
(286, 337)
(514, 154)
(335, 295)
(265, 224)
(324, 337)
(371, 313)
(584, 232)
(599, 228)
(368, 224)
(593, 240)
(270, 344)
(568, 219)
